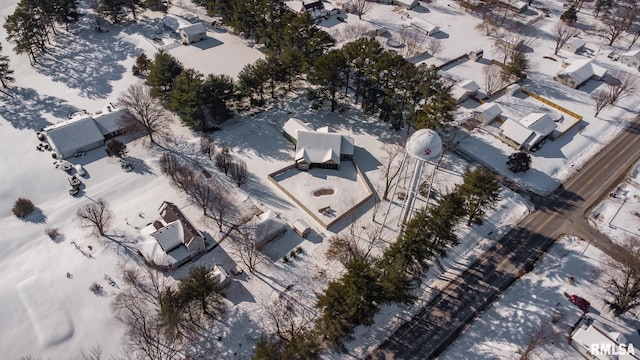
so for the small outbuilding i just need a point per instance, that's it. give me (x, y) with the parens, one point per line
(487, 113)
(407, 4)
(476, 55)
(575, 45)
(463, 90)
(631, 59)
(268, 227)
(292, 127)
(423, 26)
(301, 228)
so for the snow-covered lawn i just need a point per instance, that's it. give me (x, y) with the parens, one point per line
(618, 215)
(507, 325)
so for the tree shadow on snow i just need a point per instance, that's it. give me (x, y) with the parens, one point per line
(87, 60)
(36, 217)
(23, 108)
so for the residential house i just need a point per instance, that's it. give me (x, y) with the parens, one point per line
(527, 132)
(579, 72)
(407, 4)
(462, 90)
(268, 226)
(172, 240)
(322, 148)
(631, 58)
(85, 131)
(487, 113)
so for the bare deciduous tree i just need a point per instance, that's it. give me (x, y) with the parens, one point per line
(492, 79)
(621, 85)
(600, 99)
(93, 353)
(355, 244)
(360, 7)
(350, 31)
(288, 319)
(137, 306)
(412, 41)
(207, 147)
(96, 215)
(238, 172)
(221, 205)
(391, 166)
(623, 279)
(562, 33)
(543, 335)
(201, 193)
(435, 46)
(488, 27)
(146, 111)
(617, 21)
(223, 162)
(244, 245)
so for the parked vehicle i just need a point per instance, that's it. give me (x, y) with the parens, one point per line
(580, 302)
(80, 170)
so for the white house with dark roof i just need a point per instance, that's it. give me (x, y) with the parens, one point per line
(631, 59)
(579, 72)
(527, 132)
(86, 131)
(172, 240)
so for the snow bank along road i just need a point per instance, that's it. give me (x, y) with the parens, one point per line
(427, 334)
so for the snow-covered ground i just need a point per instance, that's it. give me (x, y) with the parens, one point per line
(47, 314)
(506, 327)
(618, 215)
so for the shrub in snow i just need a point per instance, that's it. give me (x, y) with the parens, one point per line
(519, 162)
(53, 233)
(23, 207)
(95, 288)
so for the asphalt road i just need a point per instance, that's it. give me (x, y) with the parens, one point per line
(427, 334)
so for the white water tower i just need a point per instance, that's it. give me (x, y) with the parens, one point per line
(423, 146)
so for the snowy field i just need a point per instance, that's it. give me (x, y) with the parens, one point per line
(507, 326)
(47, 314)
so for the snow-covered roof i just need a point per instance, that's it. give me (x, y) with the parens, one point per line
(488, 110)
(581, 70)
(318, 147)
(170, 236)
(76, 133)
(541, 123)
(174, 22)
(576, 43)
(347, 145)
(268, 225)
(632, 53)
(193, 29)
(220, 276)
(469, 85)
(423, 24)
(585, 336)
(293, 125)
(153, 251)
(171, 213)
(110, 119)
(516, 131)
(407, 3)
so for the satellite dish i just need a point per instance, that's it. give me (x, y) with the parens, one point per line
(424, 145)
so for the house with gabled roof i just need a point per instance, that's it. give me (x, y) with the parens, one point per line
(171, 240)
(631, 59)
(527, 132)
(574, 45)
(579, 72)
(322, 148)
(487, 112)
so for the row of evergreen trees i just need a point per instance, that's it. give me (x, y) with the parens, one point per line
(371, 281)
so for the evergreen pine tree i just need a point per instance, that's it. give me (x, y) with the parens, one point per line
(519, 162)
(6, 73)
(329, 73)
(201, 287)
(162, 72)
(187, 99)
(114, 9)
(218, 90)
(480, 189)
